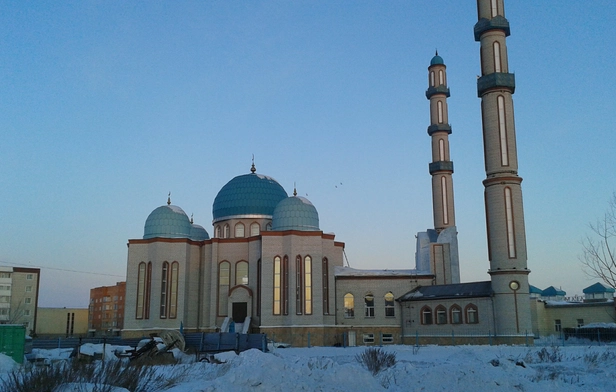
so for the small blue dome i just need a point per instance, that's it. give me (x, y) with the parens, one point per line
(248, 194)
(167, 222)
(437, 60)
(295, 213)
(198, 233)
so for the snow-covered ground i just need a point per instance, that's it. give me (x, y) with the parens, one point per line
(428, 368)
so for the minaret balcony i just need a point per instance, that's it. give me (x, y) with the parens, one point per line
(495, 80)
(441, 166)
(496, 23)
(439, 128)
(441, 89)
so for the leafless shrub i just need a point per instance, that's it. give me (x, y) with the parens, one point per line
(375, 359)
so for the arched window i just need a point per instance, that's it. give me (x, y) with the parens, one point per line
(502, 130)
(259, 287)
(349, 305)
(241, 273)
(493, 8)
(441, 149)
(456, 314)
(497, 56)
(510, 226)
(439, 109)
(277, 286)
(239, 230)
(444, 200)
(217, 232)
(224, 269)
(472, 316)
(285, 285)
(298, 285)
(308, 285)
(268, 227)
(390, 310)
(173, 289)
(432, 78)
(141, 275)
(369, 302)
(441, 77)
(441, 315)
(426, 315)
(254, 229)
(226, 231)
(164, 281)
(325, 270)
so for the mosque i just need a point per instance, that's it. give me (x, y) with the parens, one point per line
(270, 268)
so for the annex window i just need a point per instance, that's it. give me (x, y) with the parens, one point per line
(163, 290)
(471, 314)
(497, 56)
(224, 269)
(349, 305)
(426, 315)
(325, 270)
(456, 314)
(557, 325)
(510, 226)
(254, 229)
(298, 285)
(502, 130)
(308, 285)
(173, 289)
(277, 285)
(368, 338)
(441, 315)
(439, 111)
(369, 305)
(226, 230)
(241, 273)
(390, 310)
(580, 323)
(239, 230)
(387, 338)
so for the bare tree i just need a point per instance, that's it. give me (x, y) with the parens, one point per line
(599, 247)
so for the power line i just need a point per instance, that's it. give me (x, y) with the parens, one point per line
(62, 269)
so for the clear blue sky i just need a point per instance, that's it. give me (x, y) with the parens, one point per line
(107, 106)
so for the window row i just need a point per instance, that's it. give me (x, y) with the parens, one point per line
(441, 78)
(303, 285)
(239, 230)
(168, 290)
(441, 315)
(388, 302)
(224, 282)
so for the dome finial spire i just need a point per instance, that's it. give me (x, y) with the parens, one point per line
(436, 54)
(191, 219)
(169, 199)
(294, 189)
(253, 168)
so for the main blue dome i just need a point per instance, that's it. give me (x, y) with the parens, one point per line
(248, 194)
(295, 213)
(167, 221)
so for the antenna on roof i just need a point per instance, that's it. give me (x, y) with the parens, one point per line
(345, 257)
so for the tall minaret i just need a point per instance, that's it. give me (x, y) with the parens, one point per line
(503, 191)
(441, 167)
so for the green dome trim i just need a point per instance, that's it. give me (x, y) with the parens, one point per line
(167, 221)
(295, 213)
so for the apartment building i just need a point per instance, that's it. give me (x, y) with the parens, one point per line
(19, 288)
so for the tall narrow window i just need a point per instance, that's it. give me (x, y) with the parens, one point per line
(241, 273)
(441, 149)
(441, 315)
(277, 285)
(254, 229)
(173, 289)
(325, 270)
(349, 305)
(226, 231)
(497, 56)
(493, 7)
(298, 285)
(456, 315)
(224, 269)
(369, 301)
(510, 226)
(390, 310)
(148, 290)
(308, 285)
(471, 314)
(140, 291)
(439, 109)
(441, 77)
(426, 315)
(163, 289)
(502, 130)
(217, 232)
(444, 200)
(285, 285)
(259, 287)
(432, 78)
(239, 230)
(268, 227)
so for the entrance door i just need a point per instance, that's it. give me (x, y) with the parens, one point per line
(239, 311)
(352, 338)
